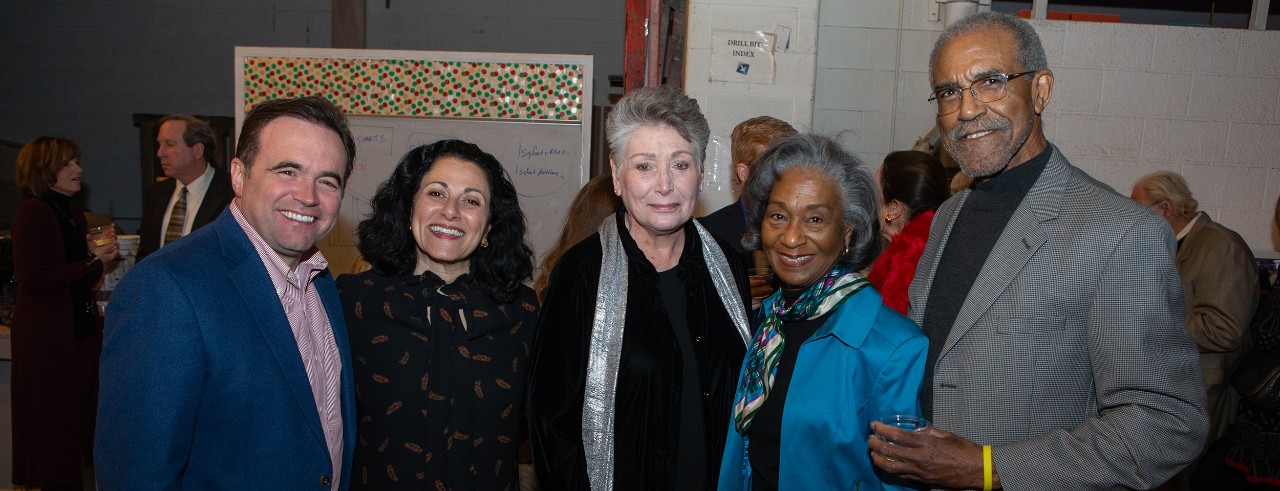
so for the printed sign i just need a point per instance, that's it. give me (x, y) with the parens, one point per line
(742, 56)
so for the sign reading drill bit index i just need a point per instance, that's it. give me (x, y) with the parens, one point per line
(742, 56)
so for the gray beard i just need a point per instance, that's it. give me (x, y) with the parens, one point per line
(949, 143)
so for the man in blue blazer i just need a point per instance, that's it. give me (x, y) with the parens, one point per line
(225, 362)
(1057, 353)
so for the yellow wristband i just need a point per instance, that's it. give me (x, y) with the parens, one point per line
(986, 468)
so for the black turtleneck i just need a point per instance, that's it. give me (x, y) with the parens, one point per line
(765, 432)
(978, 226)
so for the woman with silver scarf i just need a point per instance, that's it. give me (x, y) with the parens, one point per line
(644, 324)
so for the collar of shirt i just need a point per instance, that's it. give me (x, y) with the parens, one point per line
(1187, 229)
(277, 269)
(198, 186)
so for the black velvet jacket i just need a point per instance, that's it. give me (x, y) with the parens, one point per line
(646, 430)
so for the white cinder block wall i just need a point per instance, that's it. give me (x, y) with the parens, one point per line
(1128, 100)
(789, 98)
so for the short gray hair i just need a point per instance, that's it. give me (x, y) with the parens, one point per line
(657, 107)
(858, 197)
(1027, 50)
(1171, 187)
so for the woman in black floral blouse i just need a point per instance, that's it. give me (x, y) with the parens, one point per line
(441, 325)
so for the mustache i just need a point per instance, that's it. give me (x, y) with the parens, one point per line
(977, 125)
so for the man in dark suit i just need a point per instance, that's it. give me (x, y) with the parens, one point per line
(225, 361)
(195, 193)
(748, 139)
(1057, 353)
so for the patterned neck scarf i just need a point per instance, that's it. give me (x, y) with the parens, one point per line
(756, 381)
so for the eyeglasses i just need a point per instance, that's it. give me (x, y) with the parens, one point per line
(985, 90)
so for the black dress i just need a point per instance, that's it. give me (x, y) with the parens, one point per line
(648, 409)
(440, 374)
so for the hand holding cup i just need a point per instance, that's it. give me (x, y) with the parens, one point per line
(102, 235)
(761, 281)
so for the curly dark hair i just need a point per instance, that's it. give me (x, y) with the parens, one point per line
(387, 244)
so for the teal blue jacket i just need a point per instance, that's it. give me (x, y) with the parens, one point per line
(864, 363)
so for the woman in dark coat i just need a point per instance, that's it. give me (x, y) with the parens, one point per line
(441, 326)
(644, 323)
(55, 334)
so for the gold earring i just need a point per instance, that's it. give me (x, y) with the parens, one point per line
(484, 242)
(888, 219)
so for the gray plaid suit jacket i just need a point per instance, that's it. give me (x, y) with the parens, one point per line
(1069, 354)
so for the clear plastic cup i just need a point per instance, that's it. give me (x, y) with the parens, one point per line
(903, 421)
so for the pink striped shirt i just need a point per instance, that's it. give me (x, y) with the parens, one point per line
(313, 333)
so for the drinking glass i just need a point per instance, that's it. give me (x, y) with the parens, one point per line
(103, 235)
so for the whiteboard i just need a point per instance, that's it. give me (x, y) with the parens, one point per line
(543, 160)
(530, 111)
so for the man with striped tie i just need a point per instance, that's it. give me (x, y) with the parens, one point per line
(195, 193)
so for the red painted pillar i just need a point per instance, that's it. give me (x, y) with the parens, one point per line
(634, 47)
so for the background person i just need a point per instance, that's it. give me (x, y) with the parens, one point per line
(55, 336)
(1252, 450)
(441, 327)
(196, 191)
(1219, 287)
(828, 356)
(594, 203)
(635, 397)
(748, 139)
(237, 374)
(912, 186)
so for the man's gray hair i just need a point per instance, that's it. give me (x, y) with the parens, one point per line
(1171, 187)
(858, 196)
(1028, 51)
(657, 107)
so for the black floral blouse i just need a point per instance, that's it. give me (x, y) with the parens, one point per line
(440, 377)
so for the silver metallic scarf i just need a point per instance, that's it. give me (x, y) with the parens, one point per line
(606, 342)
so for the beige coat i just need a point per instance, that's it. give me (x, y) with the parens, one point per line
(1220, 291)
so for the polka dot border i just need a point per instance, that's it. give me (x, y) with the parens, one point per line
(447, 89)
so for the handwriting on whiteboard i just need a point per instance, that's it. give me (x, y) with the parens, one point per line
(534, 151)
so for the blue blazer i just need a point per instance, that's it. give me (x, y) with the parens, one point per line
(864, 363)
(202, 384)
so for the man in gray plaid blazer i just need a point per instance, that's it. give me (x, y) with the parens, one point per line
(1058, 357)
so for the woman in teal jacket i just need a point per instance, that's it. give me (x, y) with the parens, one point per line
(827, 357)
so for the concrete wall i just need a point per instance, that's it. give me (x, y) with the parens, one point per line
(789, 98)
(1128, 99)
